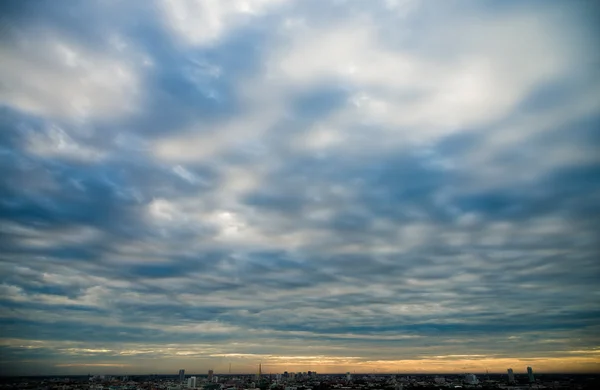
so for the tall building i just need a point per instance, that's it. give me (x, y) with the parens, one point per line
(191, 383)
(210, 375)
(348, 376)
(181, 375)
(471, 379)
(530, 374)
(259, 373)
(511, 376)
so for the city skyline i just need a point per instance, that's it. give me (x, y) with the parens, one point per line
(281, 374)
(305, 185)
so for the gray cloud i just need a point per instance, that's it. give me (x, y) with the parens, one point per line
(322, 191)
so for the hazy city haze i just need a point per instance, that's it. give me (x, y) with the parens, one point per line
(342, 185)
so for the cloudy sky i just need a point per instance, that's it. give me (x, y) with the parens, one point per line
(341, 185)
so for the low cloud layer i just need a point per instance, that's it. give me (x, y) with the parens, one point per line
(330, 186)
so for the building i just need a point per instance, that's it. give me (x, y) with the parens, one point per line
(348, 376)
(511, 376)
(259, 373)
(530, 374)
(210, 375)
(181, 375)
(471, 379)
(191, 383)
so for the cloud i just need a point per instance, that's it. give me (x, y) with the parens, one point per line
(57, 143)
(65, 79)
(206, 22)
(323, 186)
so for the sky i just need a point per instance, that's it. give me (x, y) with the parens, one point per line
(340, 185)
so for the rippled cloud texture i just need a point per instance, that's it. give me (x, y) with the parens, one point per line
(316, 185)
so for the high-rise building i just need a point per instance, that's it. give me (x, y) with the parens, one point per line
(471, 379)
(348, 376)
(181, 375)
(530, 374)
(511, 376)
(259, 373)
(191, 383)
(210, 375)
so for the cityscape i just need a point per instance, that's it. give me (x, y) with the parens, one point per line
(309, 380)
(299, 194)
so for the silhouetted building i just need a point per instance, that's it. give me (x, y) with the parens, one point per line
(511, 376)
(530, 374)
(181, 375)
(210, 375)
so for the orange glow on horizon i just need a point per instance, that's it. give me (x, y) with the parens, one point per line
(338, 365)
(585, 364)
